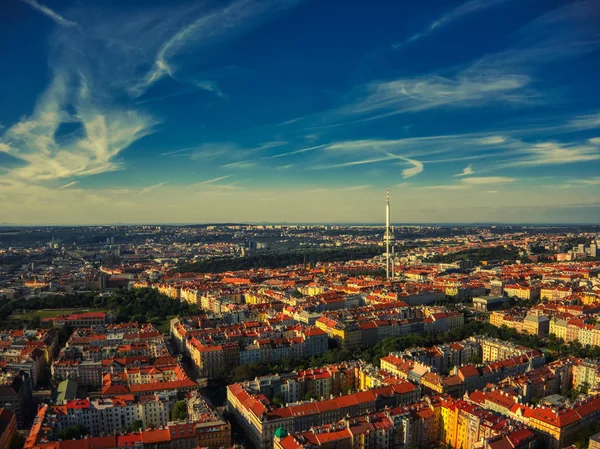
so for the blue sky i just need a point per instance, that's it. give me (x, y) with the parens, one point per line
(299, 111)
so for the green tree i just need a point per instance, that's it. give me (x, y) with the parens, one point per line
(180, 411)
(35, 322)
(135, 426)
(278, 400)
(476, 358)
(78, 431)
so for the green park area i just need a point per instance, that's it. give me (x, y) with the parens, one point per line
(140, 305)
(49, 313)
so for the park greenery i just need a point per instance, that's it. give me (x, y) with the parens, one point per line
(179, 412)
(144, 305)
(74, 432)
(478, 255)
(135, 426)
(280, 259)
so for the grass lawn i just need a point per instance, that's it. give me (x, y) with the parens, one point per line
(49, 313)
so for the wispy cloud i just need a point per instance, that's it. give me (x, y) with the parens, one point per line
(468, 170)
(151, 188)
(506, 77)
(387, 98)
(580, 183)
(240, 164)
(226, 151)
(455, 14)
(67, 185)
(352, 163)
(106, 131)
(550, 153)
(358, 187)
(88, 79)
(492, 140)
(590, 121)
(210, 181)
(591, 181)
(414, 170)
(468, 183)
(302, 150)
(60, 20)
(223, 23)
(447, 187)
(487, 180)
(181, 150)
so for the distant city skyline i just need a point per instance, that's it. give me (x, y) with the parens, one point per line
(275, 111)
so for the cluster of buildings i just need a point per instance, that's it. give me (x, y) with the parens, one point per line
(29, 350)
(390, 416)
(90, 352)
(137, 388)
(16, 394)
(214, 350)
(213, 433)
(518, 402)
(365, 326)
(566, 322)
(458, 423)
(477, 393)
(260, 418)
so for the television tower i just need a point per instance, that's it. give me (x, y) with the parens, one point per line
(388, 239)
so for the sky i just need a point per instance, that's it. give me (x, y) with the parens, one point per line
(484, 111)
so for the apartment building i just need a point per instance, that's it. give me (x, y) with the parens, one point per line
(102, 416)
(16, 394)
(260, 419)
(175, 435)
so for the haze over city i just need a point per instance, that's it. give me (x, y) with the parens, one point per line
(299, 111)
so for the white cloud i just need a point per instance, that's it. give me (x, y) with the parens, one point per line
(487, 180)
(105, 131)
(594, 140)
(210, 181)
(358, 187)
(240, 164)
(226, 22)
(468, 170)
(87, 76)
(504, 77)
(417, 167)
(60, 20)
(469, 183)
(67, 185)
(353, 163)
(551, 153)
(151, 188)
(289, 153)
(455, 14)
(591, 121)
(491, 140)
(447, 187)
(415, 94)
(590, 181)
